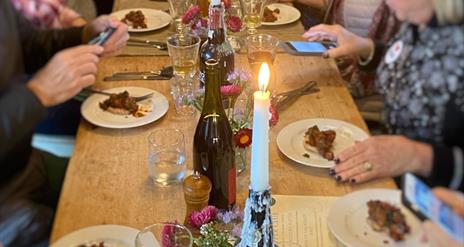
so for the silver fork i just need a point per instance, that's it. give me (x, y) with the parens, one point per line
(137, 99)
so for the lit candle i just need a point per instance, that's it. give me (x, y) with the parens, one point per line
(260, 146)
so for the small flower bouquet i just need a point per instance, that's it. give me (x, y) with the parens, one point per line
(199, 24)
(216, 227)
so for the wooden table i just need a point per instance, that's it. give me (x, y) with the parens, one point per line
(107, 178)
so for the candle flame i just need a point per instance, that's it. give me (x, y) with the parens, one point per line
(263, 78)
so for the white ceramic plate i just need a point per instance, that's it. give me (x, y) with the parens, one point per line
(288, 14)
(347, 220)
(155, 19)
(92, 112)
(114, 235)
(290, 140)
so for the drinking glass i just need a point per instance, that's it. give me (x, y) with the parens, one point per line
(183, 50)
(166, 151)
(262, 48)
(176, 9)
(252, 14)
(183, 94)
(164, 234)
(235, 10)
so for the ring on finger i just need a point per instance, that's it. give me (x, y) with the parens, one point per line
(367, 166)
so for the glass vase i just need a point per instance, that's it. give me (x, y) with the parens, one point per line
(241, 159)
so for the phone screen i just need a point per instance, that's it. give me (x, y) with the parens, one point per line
(309, 47)
(422, 200)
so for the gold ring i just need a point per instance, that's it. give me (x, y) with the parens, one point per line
(367, 166)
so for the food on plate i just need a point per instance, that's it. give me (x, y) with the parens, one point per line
(321, 140)
(135, 19)
(94, 244)
(386, 217)
(124, 104)
(270, 15)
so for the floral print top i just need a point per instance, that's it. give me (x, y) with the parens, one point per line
(422, 79)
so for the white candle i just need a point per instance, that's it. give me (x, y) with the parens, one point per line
(260, 138)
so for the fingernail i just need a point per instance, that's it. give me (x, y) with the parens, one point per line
(325, 55)
(353, 180)
(338, 178)
(332, 172)
(337, 161)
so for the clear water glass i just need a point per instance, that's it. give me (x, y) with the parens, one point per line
(262, 48)
(164, 234)
(183, 51)
(183, 94)
(166, 155)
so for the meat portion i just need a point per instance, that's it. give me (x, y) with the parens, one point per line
(270, 15)
(321, 140)
(135, 19)
(120, 101)
(384, 216)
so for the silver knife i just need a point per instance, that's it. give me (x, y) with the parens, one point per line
(134, 77)
(146, 41)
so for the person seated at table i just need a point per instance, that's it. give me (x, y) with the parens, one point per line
(60, 68)
(421, 77)
(370, 18)
(432, 233)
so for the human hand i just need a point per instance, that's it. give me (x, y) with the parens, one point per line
(116, 41)
(348, 44)
(66, 74)
(381, 156)
(436, 237)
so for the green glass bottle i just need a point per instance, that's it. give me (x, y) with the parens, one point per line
(213, 150)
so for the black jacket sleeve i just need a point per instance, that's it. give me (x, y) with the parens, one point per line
(40, 45)
(20, 111)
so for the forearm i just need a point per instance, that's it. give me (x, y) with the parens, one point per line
(20, 111)
(40, 45)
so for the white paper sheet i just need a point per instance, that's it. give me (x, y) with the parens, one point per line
(302, 220)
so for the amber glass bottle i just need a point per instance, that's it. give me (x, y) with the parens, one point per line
(213, 150)
(217, 46)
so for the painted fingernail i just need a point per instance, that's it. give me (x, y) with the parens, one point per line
(338, 178)
(353, 180)
(332, 172)
(337, 161)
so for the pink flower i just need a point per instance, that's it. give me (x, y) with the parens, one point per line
(205, 216)
(227, 3)
(231, 90)
(191, 13)
(234, 24)
(167, 235)
(274, 115)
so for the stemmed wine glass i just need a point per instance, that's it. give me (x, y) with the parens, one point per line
(176, 9)
(253, 12)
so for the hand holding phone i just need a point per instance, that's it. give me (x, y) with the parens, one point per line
(418, 197)
(102, 37)
(307, 48)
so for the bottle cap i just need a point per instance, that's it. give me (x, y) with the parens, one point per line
(215, 2)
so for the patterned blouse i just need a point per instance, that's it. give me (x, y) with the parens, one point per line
(422, 79)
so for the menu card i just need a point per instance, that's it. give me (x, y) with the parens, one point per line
(303, 220)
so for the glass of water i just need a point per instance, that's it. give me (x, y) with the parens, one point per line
(166, 155)
(183, 50)
(183, 94)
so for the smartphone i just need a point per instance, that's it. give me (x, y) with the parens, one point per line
(418, 197)
(102, 37)
(307, 48)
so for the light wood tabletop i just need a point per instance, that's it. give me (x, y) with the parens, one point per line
(107, 181)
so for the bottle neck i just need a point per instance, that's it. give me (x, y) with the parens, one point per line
(213, 99)
(216, 28)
